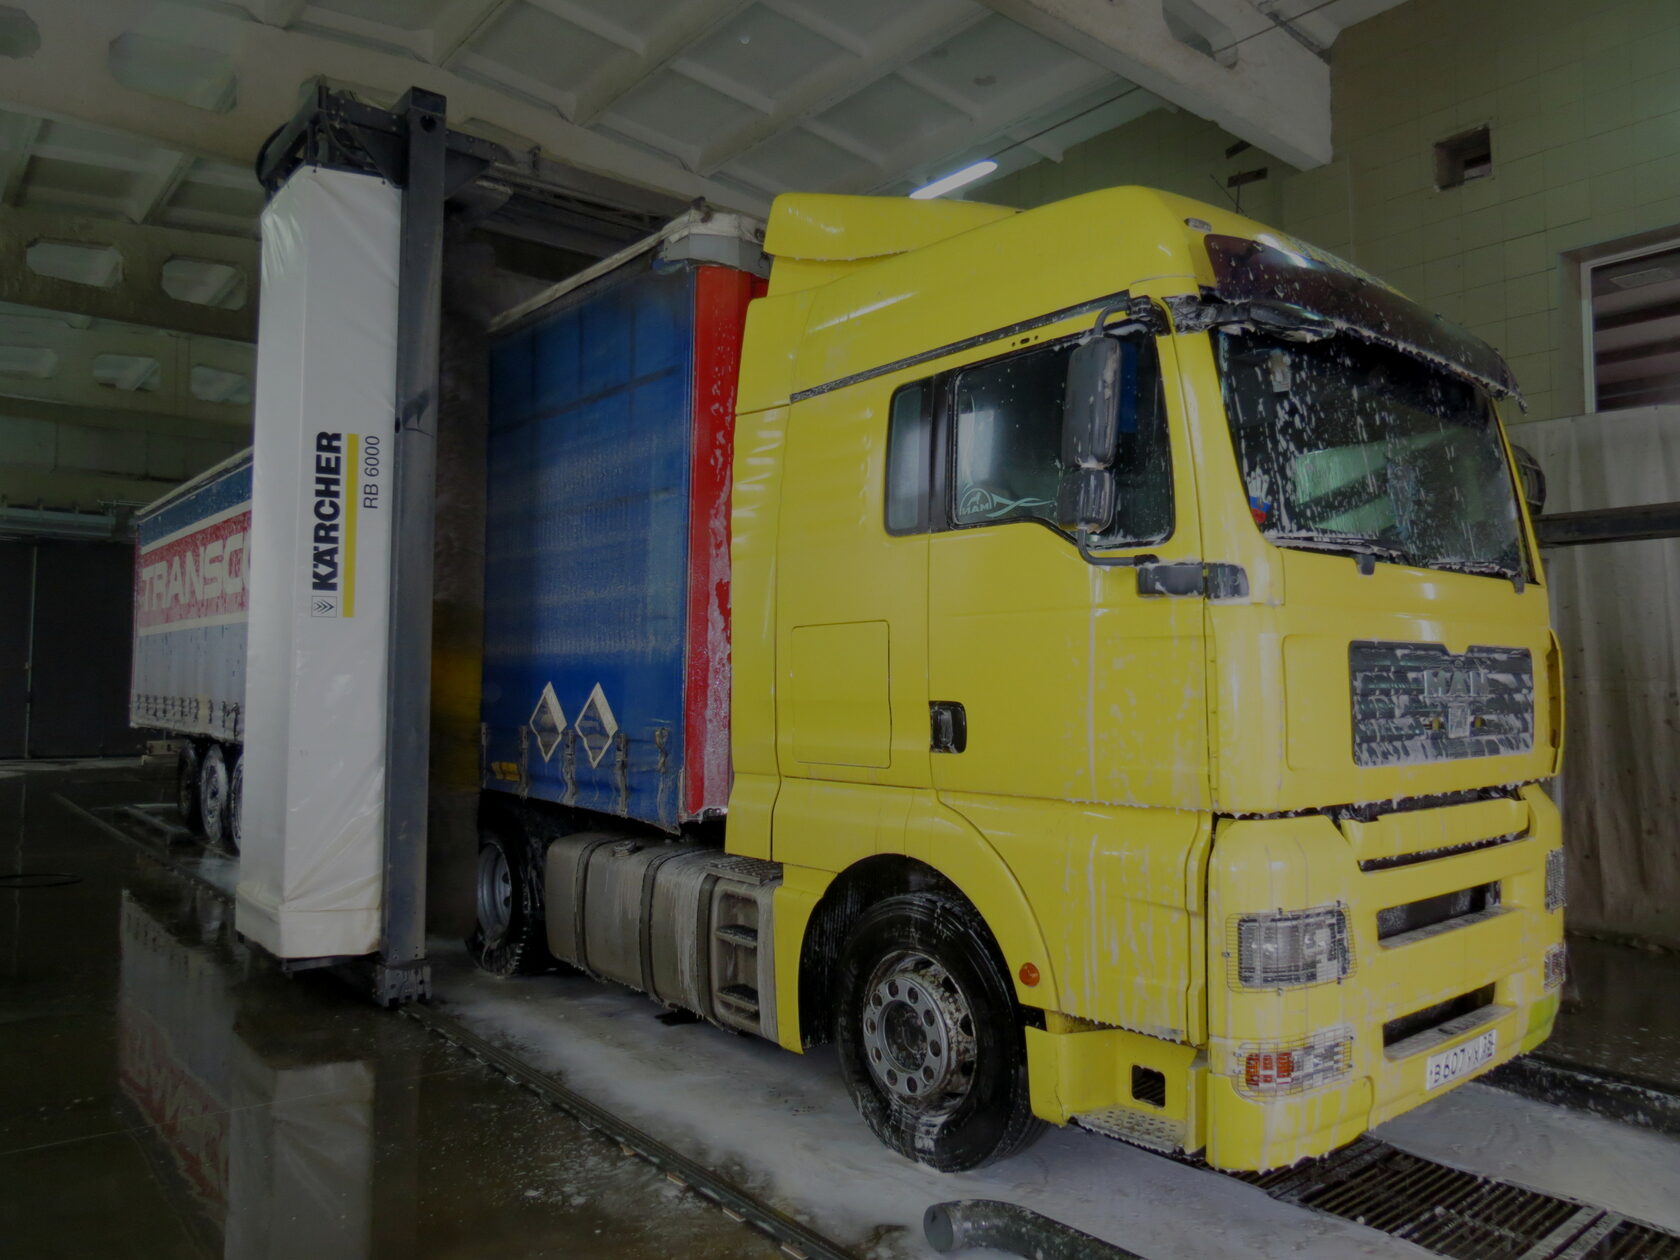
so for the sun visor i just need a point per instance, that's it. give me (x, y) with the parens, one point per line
(1260, 270)
(828, 227)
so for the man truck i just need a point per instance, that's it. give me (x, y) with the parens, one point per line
(1091, 664)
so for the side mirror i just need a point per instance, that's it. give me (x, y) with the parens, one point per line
(1090, 420)
(1533, 478)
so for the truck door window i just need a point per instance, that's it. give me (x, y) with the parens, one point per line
(1008, 420)
(909, 446)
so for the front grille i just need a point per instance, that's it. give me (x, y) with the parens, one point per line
(1433, 912)
(1430, 855)
(1408, 1026)
(1418, 702)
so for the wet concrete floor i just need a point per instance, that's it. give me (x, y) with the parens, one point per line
(166, 1092)
(1620, 1013)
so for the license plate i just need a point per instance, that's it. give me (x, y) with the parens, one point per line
(1449, 1065)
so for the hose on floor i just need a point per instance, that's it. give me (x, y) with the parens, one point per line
(1012, 1228)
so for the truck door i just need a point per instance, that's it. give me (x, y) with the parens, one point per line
(851, 633)
(1062, 680)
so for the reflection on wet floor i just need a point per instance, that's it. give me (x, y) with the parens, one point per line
(166, 1092)
(1621, 1012)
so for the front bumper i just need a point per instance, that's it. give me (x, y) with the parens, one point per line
(1296, 863)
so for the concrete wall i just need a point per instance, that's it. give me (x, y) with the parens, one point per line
(1616, 607)
(1583, 102)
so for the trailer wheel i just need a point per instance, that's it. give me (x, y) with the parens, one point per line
(186, 784)
(213, 793)
(930, 1039)
(236, 798)
(509, 939)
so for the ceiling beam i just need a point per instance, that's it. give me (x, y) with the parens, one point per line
(902, 40)
(138, 297)
(682, 26)
(1260, 84)
(1047, 95)
(460, 24)
(64, 455)
(1023, 143)
(32, 485)
(280, 13)
(72, 353)
(236, 429)
(69, 79)
(153, 191)
(18, 133)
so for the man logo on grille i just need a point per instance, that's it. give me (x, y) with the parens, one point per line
(1456, 690)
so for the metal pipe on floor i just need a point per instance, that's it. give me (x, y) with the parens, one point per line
(1010, 1227)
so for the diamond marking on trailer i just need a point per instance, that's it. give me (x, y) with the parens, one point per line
(596, 726)
(548, 721)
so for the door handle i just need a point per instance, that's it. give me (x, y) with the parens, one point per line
(950, 726)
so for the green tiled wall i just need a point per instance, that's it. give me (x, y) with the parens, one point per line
(1583, 102)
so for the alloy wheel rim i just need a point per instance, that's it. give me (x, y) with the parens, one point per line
(918, 1033)
(495, 891)
(213, 791)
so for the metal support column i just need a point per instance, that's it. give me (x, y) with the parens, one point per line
(401, 972)
(412, 148)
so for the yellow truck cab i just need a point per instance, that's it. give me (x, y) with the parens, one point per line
(1240, 769)
(1136, 677)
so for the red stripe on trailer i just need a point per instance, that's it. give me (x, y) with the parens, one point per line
(720, 312)
(195, 577)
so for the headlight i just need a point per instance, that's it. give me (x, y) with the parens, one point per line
(1556, 893)
(1273, 1068)
(1292, 947)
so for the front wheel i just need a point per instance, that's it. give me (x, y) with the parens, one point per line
(510, 937)
(929, 1036)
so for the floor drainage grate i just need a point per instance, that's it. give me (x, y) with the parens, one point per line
(1460, 1214)
(1633, 1240)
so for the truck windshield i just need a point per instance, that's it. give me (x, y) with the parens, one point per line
(1355, 448)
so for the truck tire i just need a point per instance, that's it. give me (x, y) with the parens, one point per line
(213, 793)
(186, 784)
(236, 800)
(929, 1037)
(510, 938)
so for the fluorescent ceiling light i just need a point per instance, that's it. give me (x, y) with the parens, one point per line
(955, 180)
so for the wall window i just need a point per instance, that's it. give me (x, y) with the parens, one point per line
(1000, 425)
(1462, 158)
(1631, 314)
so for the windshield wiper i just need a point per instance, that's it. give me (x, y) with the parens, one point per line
(1340, 544)
(1485, 568)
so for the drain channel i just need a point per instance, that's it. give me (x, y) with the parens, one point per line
(1460, 1214)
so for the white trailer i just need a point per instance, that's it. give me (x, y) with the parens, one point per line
(190, 584)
